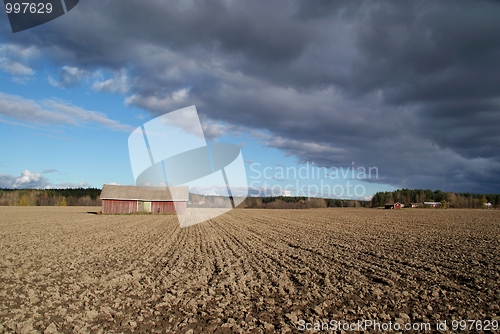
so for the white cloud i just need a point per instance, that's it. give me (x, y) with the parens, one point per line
(26, 180)
(214, 130)
(86, 115)
(19, 52)
(22, 80)
(180, 95)
(53, 82)
(29, 179)
(15, 60)
(118, 83)
(66, 185)
(15, 68)
(71, 76)
(18, 124)
(53, 112)
(27, 110)
(166, 103)
(34, 180)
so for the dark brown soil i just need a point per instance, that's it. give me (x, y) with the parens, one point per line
(63, 269)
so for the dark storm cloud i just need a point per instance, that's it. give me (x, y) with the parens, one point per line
(429, 50)
(411, 87)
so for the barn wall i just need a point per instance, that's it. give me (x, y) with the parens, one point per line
(168, 207)
(115, 206)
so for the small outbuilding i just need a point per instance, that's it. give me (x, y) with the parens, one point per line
(130, 199)
(396, 205)
(488, 205)
(432, 204)
(415, 205)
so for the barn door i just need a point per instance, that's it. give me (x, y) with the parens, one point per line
(143, 206)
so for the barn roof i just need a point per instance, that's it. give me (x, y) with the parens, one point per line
(156, 194)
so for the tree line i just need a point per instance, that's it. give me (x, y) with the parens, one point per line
(299, 202)
(276, 202)
(50, 197)
(453, 200)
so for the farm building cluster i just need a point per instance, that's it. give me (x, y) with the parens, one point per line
(131, 199)
(398, 205)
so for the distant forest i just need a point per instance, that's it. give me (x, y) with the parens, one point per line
(296, 202)
(90, 197)
(50, 197)
(454, 200)
(279, 202)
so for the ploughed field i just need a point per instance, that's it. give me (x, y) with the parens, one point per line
(63, 269)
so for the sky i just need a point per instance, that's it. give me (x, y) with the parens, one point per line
(411, 88)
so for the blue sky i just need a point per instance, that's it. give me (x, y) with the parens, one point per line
(82, 151)
(291, 82)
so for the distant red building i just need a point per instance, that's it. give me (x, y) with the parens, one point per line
(396, 205)
(130, 199)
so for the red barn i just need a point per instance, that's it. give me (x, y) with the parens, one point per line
(130, 199)
(396, 205)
